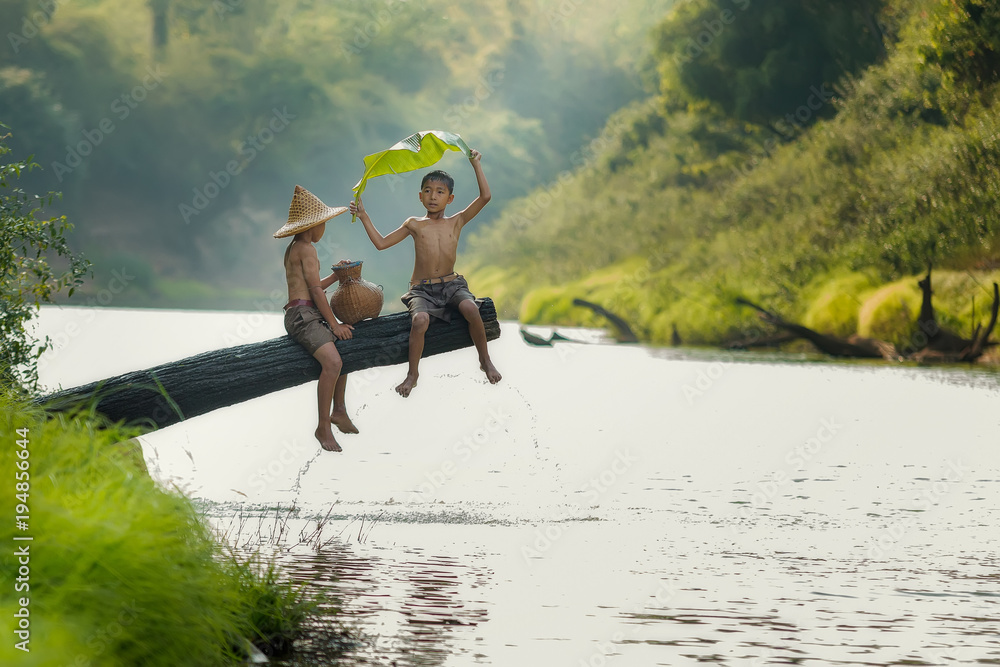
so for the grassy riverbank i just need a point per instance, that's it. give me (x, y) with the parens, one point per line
(120, 571)
(839, 303)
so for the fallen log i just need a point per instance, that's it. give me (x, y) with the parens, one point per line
(172, 392)
(776, 340)
(625, 333)
(538, 341)
(854, 346)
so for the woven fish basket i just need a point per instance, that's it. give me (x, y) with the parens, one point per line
(355, 299)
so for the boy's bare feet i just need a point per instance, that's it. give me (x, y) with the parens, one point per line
(343, 423)
(406, 386)
(327, 441)
(492, 374)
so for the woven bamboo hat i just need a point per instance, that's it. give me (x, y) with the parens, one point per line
(305, 212)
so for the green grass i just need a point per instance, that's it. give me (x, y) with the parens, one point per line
(833, 303)
(122, 571)
(890, 313)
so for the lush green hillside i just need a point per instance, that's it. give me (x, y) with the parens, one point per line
(702, 193)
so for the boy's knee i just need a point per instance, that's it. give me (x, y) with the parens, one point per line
(330, 360)
(469, 309)
(420, 322)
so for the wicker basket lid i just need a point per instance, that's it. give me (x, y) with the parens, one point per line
(305, 212)
(347, 270)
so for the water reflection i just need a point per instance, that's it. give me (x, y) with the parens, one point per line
(402, 607)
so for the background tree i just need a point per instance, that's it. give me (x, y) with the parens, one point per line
(27, 278)
(759, 61)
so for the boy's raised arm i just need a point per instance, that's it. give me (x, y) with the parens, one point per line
(484, 189)
(380, 242)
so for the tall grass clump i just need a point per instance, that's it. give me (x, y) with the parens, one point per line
(122, 571)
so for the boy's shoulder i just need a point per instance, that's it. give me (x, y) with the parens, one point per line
(414, 222)
(300, 249)
(417, 222)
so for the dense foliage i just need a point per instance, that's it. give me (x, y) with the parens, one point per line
(177, 129)
(760, 61)
(29, 246)
(693, 198)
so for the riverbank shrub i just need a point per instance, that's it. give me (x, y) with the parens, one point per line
(36, 263)
(121, 571)
(890, 314)
(833, 305)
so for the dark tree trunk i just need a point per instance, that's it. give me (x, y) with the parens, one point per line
(855, 346)
(940, 341)
(172, 392)
(624, 331)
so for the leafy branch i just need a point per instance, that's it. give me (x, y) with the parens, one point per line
(27, 278)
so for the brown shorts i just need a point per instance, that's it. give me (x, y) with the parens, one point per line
(306, 326)
(435, 299)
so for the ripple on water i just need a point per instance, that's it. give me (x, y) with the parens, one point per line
(401, 607)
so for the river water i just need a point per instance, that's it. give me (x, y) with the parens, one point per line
(604, 504)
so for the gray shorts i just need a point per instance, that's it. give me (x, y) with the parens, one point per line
(437, 299)
(306, 326)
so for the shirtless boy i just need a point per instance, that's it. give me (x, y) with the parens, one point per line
(434, 285)
(308, 316)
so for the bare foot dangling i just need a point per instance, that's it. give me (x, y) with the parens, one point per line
(343, 423)
(327, 441)
(406, 386)
(492, 374)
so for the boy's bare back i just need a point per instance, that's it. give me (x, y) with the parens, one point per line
(297, 256)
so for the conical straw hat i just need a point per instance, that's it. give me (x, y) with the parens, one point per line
(305, 212)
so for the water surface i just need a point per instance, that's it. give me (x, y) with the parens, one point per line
(603, 505)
